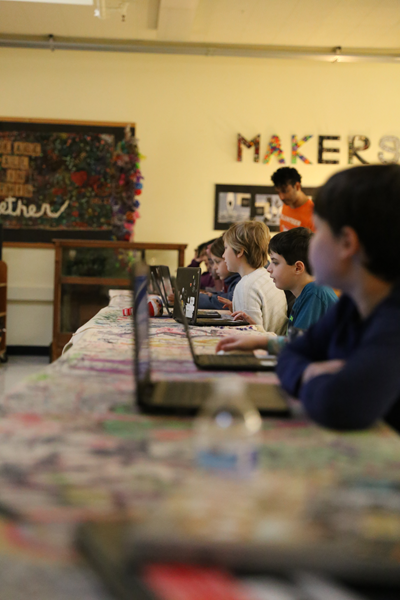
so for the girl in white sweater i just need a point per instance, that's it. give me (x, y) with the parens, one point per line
(255, 299)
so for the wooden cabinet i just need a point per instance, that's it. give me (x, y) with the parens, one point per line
(85, 271)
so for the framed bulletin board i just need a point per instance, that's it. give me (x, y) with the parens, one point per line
(56, 179)
(234, 203)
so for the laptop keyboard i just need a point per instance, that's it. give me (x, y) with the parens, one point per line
(180, 393)
(222, 321)
(191, 395)
(208, 314)
(212, 359)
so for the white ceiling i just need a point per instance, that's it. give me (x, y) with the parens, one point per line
(351, 24)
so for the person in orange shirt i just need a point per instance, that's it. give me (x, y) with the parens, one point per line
(297, 210)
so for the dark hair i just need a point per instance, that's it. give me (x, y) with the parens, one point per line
(293, 246)
(366, 198)
(201, 247)
(285, 176)
(218, 247)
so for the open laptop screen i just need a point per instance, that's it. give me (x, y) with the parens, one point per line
(166, 279)
(188, 283)
(141, 324)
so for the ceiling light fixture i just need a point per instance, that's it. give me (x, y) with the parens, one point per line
(85, 2)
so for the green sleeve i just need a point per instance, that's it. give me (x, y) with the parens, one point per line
(276, 344)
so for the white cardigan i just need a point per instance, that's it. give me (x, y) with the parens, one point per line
(257, 296)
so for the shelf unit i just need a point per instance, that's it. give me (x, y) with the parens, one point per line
(84, 272)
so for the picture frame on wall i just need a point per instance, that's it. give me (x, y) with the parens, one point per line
(56, 179)
(235, 203)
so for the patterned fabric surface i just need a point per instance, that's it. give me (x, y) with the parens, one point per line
(70, 450)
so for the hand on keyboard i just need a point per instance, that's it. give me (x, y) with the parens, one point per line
(242, 342)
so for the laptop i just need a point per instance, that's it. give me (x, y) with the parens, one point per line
(162, 284)
(247, 361)
(188, 284)
(183, 397)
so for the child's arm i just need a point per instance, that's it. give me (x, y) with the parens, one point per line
(210, 301)
(327, 367)
(239, 315)
(344, 394)
(242, 342)
(260, 300)
(309, 348)
(250, 307)
(271, 342)
(226, 304)
(360, 392)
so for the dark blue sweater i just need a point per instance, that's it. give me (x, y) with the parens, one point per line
(367, 389)
(206, 301)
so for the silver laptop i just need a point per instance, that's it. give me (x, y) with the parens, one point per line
(188, 284)
(183, 397)
(227, 362)
(162, 284)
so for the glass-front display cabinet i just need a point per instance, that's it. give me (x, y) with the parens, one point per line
(85, 271)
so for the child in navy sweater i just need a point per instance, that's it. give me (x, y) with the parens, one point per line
(345, 369)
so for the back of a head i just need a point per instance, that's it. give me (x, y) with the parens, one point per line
(204, 245)
(285, 176)
(218, 247)
(293, 245)
(253, 238)
(366, 198)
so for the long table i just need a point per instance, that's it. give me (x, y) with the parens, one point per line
(68, 452)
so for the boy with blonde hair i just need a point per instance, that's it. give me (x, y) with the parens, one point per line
(255, 299)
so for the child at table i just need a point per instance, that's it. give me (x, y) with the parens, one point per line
(208, 279)
(256, 298)
(345, 369)
(290, 270)
(216, 300)
(202, 254)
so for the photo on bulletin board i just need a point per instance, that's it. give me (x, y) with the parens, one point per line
(235, 203)
(56, 179)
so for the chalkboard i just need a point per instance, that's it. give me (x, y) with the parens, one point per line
(56, 179)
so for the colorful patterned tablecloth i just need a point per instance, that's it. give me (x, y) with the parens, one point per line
(67, 455)
(95, 372)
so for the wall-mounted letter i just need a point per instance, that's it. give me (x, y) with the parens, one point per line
(295, 149)
(389, 143)
(358, 143)
(322, 149)
(254, 143)
(274, 149)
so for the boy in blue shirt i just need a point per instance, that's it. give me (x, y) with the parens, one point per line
(345, 369)
(290, 270)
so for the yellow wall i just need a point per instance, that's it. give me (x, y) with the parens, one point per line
(188, 111)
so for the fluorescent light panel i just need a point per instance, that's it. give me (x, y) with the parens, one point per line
(85, 2)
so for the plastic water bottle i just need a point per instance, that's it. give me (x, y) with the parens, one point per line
(226, 430)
